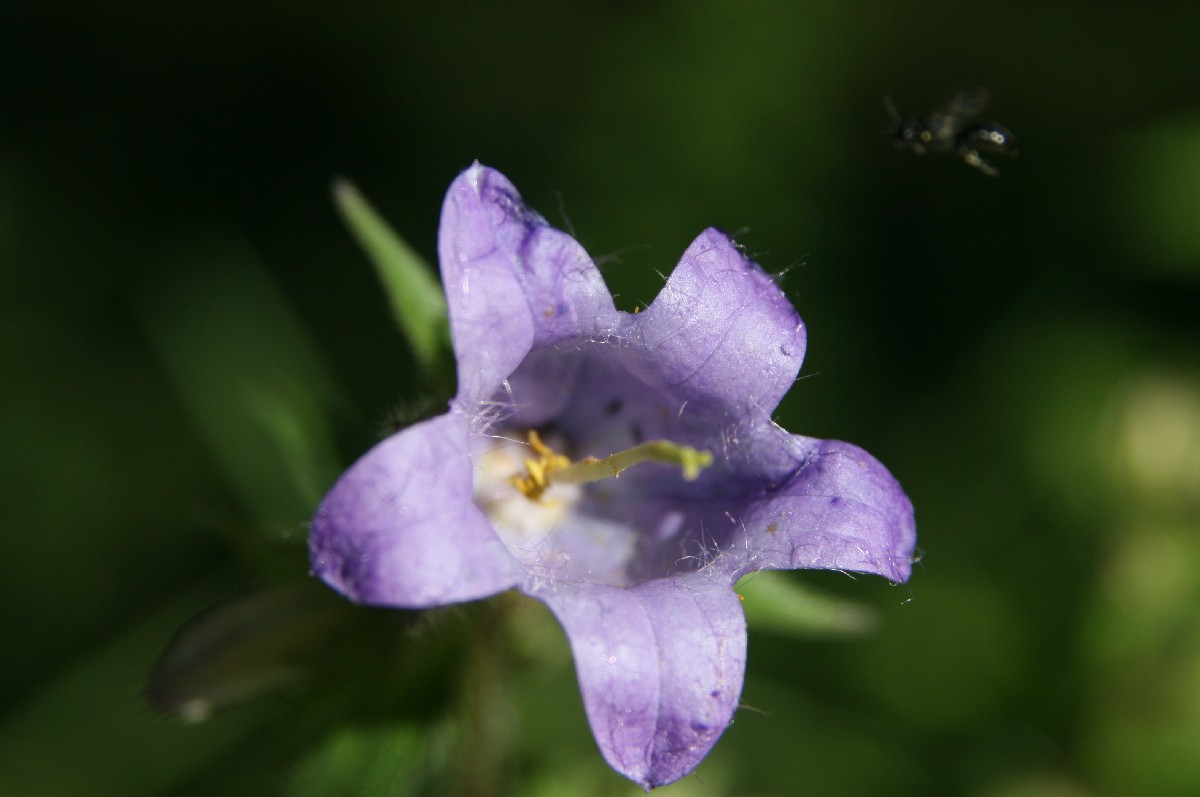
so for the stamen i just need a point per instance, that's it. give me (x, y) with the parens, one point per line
(538, 470)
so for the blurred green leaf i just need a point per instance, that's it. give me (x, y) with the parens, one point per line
(958, 652)
(87, 731)
(250, 377)
(778, 602)
(418, 303)
(245, 647)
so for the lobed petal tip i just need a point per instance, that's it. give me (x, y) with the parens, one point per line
(399, 528)
(475, 175)
(838, 508)
(483, 184)
(660, 668)
(721, 332)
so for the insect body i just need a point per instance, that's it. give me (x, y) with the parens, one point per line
(952, 128)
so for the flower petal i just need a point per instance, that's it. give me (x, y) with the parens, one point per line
(400, 529)
(722, 330)
(512, 282)
(660, 666)
(839, 509)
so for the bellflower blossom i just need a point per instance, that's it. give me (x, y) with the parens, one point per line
(639, 570)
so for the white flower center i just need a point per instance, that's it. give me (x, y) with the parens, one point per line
(549, 535)
(519, 521)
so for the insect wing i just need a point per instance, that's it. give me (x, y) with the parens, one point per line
(965, 105)
(944, 124)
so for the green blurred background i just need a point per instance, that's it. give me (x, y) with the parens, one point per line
(192, 346)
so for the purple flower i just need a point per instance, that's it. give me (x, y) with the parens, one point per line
(638, 569)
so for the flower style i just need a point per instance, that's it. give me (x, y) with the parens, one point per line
(553, 380)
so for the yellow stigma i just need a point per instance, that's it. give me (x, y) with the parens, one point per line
(550, 467)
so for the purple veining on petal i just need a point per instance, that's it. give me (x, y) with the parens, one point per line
(660, 667)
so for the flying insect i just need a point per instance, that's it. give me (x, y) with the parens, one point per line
(953, 128)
